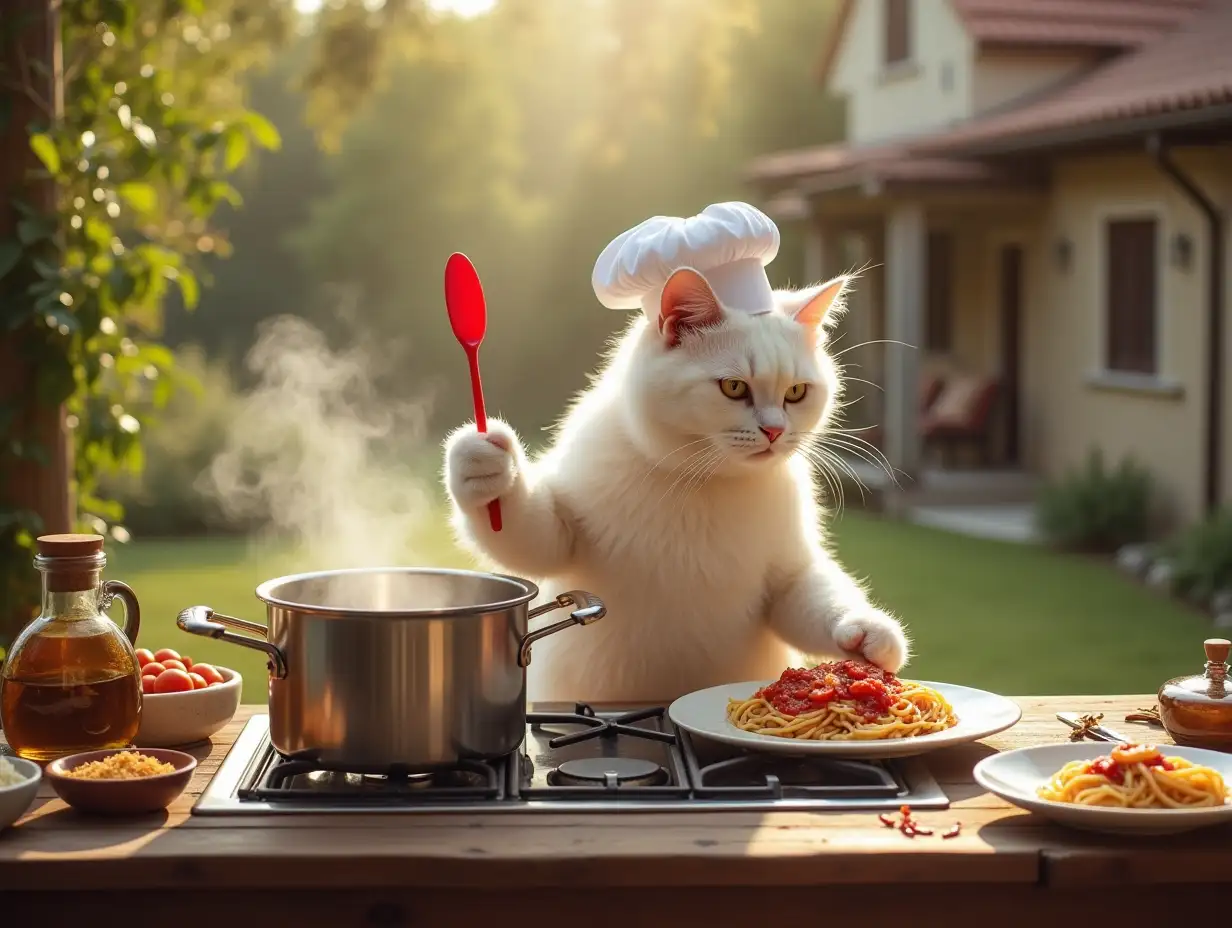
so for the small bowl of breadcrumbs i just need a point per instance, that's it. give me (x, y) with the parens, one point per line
(123, 781)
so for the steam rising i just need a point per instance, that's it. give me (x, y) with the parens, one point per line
(316, 457)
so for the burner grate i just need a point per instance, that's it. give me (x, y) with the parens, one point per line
(596, 727)
(294, 779)
(775, 777)
(609, 770)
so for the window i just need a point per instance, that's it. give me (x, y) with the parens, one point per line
(1130, 289)
(897, 31)
(939, 300)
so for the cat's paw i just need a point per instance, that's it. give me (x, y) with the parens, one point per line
(875, 635)
(480, 467)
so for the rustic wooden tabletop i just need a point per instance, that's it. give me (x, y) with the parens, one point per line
(478, 864)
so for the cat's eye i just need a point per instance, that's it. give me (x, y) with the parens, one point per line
(796, 392)
(734, 389)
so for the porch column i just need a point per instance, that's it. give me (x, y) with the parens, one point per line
(905, 285)
(821, 251)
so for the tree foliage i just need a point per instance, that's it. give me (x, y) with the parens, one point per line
(154, 124)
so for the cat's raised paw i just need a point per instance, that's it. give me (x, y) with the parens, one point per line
(875, 635)
(480, 467)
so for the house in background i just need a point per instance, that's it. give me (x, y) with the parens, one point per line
(1041, 192)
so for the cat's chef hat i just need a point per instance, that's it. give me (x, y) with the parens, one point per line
(729, 244)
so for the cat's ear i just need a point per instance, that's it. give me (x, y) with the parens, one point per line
(687, 303)
(818, 306)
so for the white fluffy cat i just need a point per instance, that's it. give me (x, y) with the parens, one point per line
(674, 493)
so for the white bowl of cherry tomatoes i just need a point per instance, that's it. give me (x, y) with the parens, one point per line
(182, 701)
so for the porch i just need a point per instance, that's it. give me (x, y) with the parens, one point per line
(933, 344)
(993, 504)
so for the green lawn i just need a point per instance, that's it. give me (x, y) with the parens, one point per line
(1012, 619)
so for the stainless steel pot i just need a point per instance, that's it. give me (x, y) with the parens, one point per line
(372, 670)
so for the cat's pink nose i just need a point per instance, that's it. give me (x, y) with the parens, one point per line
(771, 431)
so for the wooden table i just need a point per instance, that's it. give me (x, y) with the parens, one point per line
(628, 870)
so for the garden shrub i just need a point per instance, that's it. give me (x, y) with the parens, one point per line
(1201, 557)
(1096, 508)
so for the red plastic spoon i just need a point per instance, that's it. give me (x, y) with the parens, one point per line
(469, 318)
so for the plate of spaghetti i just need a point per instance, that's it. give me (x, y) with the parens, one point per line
(845, 708)
(1122, 788)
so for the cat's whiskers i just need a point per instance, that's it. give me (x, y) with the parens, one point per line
(843, 466)
(655, 466)
(846, 438)
(701, 475)
(687, 467)
(875, 341)
(833, 481)
(680, 486)
(857, 447)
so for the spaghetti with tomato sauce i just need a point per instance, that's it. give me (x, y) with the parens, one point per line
(1136, 776)
(847, 700)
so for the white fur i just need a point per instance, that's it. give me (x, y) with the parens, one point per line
(711, 562)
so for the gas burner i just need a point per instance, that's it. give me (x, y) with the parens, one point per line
(290, 779)
(570, 761)
(610, 772)
(597, 727)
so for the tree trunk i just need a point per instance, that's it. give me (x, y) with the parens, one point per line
(31, 57)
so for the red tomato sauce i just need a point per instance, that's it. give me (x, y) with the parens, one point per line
(872, 690)
(1111, 770)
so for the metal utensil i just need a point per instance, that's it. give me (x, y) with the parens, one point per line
(468, 316)
(1097, 732)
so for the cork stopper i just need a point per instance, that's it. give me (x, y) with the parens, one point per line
(69, 545)
(1217, 650)
(71, 562)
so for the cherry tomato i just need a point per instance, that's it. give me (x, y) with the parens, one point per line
(153, 667)
(147, 683)
(163, 653)
(207, 672)
(819, 697)
(144, 656)
(171, 663)
(862, 688)
(198, 681)
(855, 671)
(187, 661)
(173, 681)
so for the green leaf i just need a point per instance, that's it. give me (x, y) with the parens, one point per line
(237, 149)
(35, 230)
(189, 287)
(43, 146)
(141, 197)
(10, 254)
(220, 190)
(263, 131)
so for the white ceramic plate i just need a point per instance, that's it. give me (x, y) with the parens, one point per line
(1015, 775)
(980, 714)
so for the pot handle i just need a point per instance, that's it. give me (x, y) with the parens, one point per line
(589, 609)
(204, 621)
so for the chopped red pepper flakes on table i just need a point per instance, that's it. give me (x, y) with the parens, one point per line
(910, 827)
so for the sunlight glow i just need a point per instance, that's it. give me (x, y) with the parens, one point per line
(467, 9)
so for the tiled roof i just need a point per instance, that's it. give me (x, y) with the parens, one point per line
(1096, 23)
(1110, 24)
(1189, 69)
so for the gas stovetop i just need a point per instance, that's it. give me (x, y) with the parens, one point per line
(575, 760)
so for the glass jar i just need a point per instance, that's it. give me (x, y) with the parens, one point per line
(1197, 710)
(71, 681)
